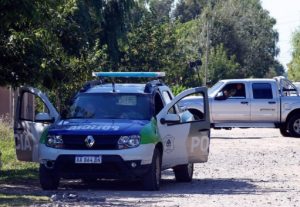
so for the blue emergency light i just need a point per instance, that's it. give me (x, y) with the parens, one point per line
(130, 74)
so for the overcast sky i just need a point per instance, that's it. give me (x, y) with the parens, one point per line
(287, 14)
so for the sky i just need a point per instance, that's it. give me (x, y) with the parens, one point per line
(287, 15)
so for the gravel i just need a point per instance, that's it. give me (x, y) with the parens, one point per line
(246, 167)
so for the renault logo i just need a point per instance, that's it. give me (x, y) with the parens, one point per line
(89, 141)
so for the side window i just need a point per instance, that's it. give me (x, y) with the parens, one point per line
(234, 90)
(262, 91)
(158, 103)
(193, 108)
(167, 98)
(31, 105)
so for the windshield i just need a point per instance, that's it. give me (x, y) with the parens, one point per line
(215, 88)
(111, 106)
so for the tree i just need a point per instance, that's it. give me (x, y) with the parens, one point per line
(246, 30)
(294, 65)
(187, 10)
(220, 65)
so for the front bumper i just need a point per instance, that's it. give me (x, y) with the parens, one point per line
(144, 152)
(112, 167)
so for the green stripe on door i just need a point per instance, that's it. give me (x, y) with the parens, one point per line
(149, 133)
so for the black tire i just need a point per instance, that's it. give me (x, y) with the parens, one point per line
(284, 132)
(184, 173)
(48, 178)
(151, 180)
(294, 125)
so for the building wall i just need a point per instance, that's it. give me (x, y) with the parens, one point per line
(7, 103)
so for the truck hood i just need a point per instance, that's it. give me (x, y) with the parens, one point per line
(96, 127)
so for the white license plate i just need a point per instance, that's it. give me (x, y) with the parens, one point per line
(88, 159)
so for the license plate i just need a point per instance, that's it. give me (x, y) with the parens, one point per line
(88, 159)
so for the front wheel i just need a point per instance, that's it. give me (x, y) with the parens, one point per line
(184, 173)
(48, 178)
(151, 180)
(294, 125)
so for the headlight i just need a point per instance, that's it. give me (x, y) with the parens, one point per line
(129, 141)
(54, 141)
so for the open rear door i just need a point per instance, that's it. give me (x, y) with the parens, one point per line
(34, 113)
(185, 132)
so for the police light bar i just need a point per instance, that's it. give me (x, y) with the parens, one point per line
(130, 74)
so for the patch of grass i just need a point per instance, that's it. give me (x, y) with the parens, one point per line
(22, 200)
(13, 170)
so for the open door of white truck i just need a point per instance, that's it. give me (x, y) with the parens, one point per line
(185, 133)
(34, 113)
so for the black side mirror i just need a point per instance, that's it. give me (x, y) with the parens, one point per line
(170, 119)
(220, 98)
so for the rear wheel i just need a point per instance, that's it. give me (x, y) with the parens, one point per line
(294, 125)
(284, 132)
(48, 178)
(184, 173)
(151, 180)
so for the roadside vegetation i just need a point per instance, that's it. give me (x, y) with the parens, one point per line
(13, 170)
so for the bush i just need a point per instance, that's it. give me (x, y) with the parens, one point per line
(176, 89)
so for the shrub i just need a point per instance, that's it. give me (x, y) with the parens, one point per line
(176, 89)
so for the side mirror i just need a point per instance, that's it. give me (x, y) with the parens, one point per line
(220, 96)
(170, 119)
(43, 117)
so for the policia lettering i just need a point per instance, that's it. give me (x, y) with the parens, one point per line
(23, 142)
(95, 127)
(198, 145)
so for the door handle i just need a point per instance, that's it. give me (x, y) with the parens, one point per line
(272, 102)
(202, 130)
(244, 102)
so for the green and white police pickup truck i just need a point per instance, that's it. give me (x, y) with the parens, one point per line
(114, 131)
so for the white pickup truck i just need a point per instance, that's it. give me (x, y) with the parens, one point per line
(252, 103)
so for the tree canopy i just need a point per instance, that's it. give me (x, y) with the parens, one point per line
(294, 65)
(57, 44)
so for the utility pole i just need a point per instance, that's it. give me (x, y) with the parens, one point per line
(206, 52)
(207, 45)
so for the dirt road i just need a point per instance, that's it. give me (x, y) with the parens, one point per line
(249, 167)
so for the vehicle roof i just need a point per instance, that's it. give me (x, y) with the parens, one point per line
(119, 88)
(249, 80)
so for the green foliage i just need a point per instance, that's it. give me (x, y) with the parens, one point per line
(188, 10)
(294, 65)
(22, 200)
(12, 169)
(176, 89)
(246, 31)
(56, 45)
(220, 65)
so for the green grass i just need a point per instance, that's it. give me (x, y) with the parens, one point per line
(17, 174)
(13, 170)
(22, 200)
